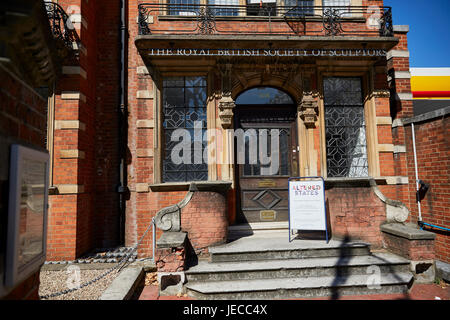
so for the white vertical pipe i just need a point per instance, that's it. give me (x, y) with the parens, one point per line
(153, 238)
(415, 167)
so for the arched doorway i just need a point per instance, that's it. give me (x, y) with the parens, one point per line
(266, 152)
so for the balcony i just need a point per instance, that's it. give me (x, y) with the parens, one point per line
(63, 31)
(35, 40)
(265, 19)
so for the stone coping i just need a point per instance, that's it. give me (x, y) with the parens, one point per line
(218, 186)
(123, 287)
(254, 38)
(407, 231)
(439, 113)
(171, 240)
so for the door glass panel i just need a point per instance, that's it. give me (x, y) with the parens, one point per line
(282, 154)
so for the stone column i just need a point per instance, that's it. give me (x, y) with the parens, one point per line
(308, 112)
(226, 111)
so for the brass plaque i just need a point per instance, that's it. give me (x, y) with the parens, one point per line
(267, 183)
(268, 215)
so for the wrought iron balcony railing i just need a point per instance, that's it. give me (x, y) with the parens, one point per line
(265, 19)
(61, 25)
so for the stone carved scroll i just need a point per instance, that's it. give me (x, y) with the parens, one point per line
(226, 103)
(226, 106)
(308, 110)
(169, 218)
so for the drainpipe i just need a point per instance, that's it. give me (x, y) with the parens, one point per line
(415, 167)
(122, 115)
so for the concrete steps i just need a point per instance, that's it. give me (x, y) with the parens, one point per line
(295, 268)
(273, 248)
(288, 288)
(273, 268)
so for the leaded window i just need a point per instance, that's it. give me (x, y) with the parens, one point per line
(340, 6)
(345, 128)
(183, 8)
(230, 11)
(300, 8)
(184, 107)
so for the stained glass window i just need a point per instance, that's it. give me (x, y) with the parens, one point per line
(231, 11)
(345, 128)
(300, 7)
(184, 107)
(182, 8)
(340, 6)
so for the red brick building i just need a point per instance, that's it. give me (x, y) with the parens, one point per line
(32, 52)
(332, 77)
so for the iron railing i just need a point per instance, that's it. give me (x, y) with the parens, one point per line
(61, 25)
(265, 18)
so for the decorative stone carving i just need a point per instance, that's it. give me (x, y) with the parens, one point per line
(226, 103)
(169, 218)
(226, 106)
(396, 211)
(308, 110)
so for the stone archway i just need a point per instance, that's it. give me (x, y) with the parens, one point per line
(288, 78)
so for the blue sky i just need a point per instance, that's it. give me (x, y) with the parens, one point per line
(429, 30)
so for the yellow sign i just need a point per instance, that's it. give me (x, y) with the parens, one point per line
(267, 183)
(268, 215)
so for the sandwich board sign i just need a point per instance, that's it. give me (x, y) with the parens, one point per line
(307, 209)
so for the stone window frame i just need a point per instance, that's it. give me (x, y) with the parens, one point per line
(159, 128)
(369, 114)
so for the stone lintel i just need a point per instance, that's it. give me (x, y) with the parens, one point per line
(384, 120)
(72, 154)
(70, 188)
(145, 124)
(144, 153)
(385, 148)
(144, 94)
(69, 125)
(142, 187)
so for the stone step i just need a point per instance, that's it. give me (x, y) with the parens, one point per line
(263, 229)
(276, 248)
(288, 288)
(295, 268)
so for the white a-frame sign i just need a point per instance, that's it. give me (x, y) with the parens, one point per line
(307, 210)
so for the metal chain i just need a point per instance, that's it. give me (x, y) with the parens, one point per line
(124, 259)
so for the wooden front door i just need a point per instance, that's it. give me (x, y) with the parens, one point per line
(263, 191)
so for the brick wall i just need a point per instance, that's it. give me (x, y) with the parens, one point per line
(70, 230)
(84, 215)
(355, 212)
(415, 250)
(205, 220)
(433, 154)
(23, 119)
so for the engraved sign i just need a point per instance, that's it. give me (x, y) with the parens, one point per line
(267, 183)
(283, 52)
(268, 215)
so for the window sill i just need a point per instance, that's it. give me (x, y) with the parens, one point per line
(215, 186)
(352, 182)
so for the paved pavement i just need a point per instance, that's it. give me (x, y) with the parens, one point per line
(418, 292)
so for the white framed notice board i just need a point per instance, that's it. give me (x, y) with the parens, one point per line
(307, 208)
